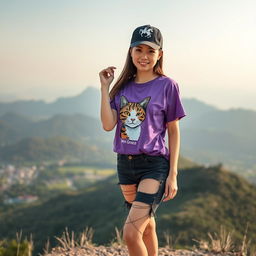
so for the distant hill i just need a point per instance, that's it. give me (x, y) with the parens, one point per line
(37, 149)
(223, 136)
(207, 198)
(7, 133)
(53, 149)
(240, 122)
(14, 127)
(196, 108)
(208, 135)
(85, 103)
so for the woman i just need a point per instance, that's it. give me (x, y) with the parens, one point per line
(142, 104)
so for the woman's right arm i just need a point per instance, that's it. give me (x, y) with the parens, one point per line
(108, 115)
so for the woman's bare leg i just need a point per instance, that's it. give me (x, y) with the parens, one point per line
(137, 221)
(150, 238)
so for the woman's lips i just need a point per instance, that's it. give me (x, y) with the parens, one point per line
(143, 63)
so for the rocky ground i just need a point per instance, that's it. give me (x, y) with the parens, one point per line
(122, 251)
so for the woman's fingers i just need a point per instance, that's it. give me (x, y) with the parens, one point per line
(166, 190)
(109, 70)
(166, 193)
(107, 75)
(112, 67)
(169, 193)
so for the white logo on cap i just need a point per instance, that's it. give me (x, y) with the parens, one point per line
(147, 31)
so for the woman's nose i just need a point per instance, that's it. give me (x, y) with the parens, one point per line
(144, 56)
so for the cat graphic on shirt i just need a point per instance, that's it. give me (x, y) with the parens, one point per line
(132, 114)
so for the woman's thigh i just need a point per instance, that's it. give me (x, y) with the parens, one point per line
(143, 207)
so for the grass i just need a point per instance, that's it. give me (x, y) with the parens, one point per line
(18, 247)
(118, 240)
(218, 242)
(81, 176)
(69, 242)
(169, 240)
(221, 242)
(83, 169)
(58, 186)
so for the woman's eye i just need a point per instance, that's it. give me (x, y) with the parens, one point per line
(139, 50)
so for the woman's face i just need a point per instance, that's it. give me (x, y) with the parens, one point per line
(145, 57)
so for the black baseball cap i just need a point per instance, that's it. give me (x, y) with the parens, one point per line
(148, 35)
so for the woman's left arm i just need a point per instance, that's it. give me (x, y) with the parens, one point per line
(174, 148)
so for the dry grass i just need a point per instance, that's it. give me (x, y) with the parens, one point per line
(118, 240)
(218, 244)
(19, 243)
(69, 242)
(223, 243)
(245, 247)
(169, 241)
(46, 249)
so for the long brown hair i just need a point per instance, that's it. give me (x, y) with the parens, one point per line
(129, 72)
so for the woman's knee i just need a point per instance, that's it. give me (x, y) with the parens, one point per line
(151, 227)
(130, 235)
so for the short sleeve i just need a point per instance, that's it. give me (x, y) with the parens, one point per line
(113, 104)
(174, 106)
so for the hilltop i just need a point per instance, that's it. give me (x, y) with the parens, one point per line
(207, 198)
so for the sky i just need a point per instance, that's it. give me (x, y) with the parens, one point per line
(51, 49)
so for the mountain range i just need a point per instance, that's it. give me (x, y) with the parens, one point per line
(208, 135)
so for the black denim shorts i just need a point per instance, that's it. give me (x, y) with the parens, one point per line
(131, 169)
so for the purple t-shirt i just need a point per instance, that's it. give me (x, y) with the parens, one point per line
(143, 110)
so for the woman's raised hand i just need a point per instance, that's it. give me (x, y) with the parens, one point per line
(107, 76)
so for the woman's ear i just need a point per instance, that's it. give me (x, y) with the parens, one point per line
(160, 54)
